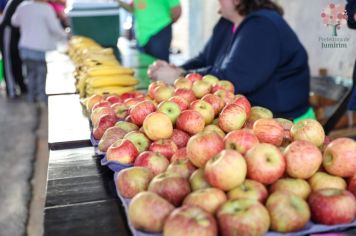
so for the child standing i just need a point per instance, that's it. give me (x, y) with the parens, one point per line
(40, 30)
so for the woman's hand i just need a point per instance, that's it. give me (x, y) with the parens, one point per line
(154, 67)
(167, 74)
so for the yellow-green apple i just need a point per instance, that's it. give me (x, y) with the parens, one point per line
(166, 147)
(194, 77)
(110, 136)
(303, 159)
(242, 101)
(171, 109)
(226, 170)
(201, 88)
(214, 128)
(92, 100)
(163, 92)
(208, 199)
(121, 110)
(226, 96)
(183, 83)
(114, 99)
(133, 180)
(180, 101)
(158, 125)
(340, 157)
(232, 117)
(257, 113)
(192, 221)
(249, 189)
(154, 161)
(243, 217)
(265, 163)
(205, 109)
(105, 122)
(190, 121)
(153, 86)
(288, 212)
(308, 130)
(123, 151)
(181, 154)
(268, 131)
(183, 168)
(224, 85)
(139, 139)
(127, 126)
(171, 187)
(216, 102)
(332, 206)
(102, 103)
(211, 79)
(352, 185)
(99, 112)
(203, 146)
(287, 125)
(139, 112)
(180, 138)
(187, 94)
(299, 187)
(321, 180)
(240, 140)
(198, 181)
(148, 212)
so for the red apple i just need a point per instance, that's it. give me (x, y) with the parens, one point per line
(183, 83)
(130, 102)
(299, 187)
(148, 212)
(216, 102)
(214, 128)
(182, 168)
(194, 77)
(92, 100)
(105, 122)
(139, 112)
(249, 189)
(153, 86)
(340, 157)
(121, 110)
(226, 96)
(205, 109)
(203, 146)
(127, 126)
(242, 101)
(226, 171)
(131, 181)
(243, 217)
(99, 112)
(122, 151)
(171, 187)
(308, 130)
(163, 93)
(114, 99)
(139, 139)
(198, 181)
(190, 121)
(240, 140)
(192, 221)
(101, 104)
(352, 185)
(156, 162)
(288, 212)
(166, 147)
(287, 125)
(171, 109)
(208, 199)
(158, 125)
(332, 206)
(134, 94)
(303, 159)
(224, 85)
(268, 131)
(181, 154)
(265, 163)
(110, 136)
(180, 101)
(321, 180)
(180, 138)
(201, 88)
(232, 117)
(187, 94)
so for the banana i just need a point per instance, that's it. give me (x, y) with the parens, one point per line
(109, 90)
(104, 81)
(108, 70)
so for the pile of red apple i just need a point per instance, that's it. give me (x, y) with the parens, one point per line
(207, 163)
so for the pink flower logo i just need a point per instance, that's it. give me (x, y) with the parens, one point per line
(334, 15)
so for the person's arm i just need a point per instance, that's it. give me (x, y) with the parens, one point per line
(15, 19)
(176, 12)
(253, 58)
(54, 26)
(351, 13)
(127, 6)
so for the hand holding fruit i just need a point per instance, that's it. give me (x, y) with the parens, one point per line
(155, 66)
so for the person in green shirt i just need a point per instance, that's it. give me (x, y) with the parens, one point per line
(153, 24)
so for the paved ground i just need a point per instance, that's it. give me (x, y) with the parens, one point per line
(23, 140)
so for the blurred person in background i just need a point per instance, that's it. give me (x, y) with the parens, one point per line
(2, 5)
(351, 13)
(59, 6)
(38, 35)
(153, 24)
(9, 41)
(264, 59)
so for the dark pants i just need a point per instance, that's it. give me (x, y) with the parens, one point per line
(36, 72)
(12, 61)
(159, 44)
(352, 103)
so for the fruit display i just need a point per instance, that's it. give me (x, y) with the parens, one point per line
(97, 69)
(208, 162)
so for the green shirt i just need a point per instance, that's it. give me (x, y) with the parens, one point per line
(151, 16)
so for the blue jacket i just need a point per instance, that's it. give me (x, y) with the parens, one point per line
(265, 61)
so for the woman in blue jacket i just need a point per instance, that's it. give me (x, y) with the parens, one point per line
(263, 58)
